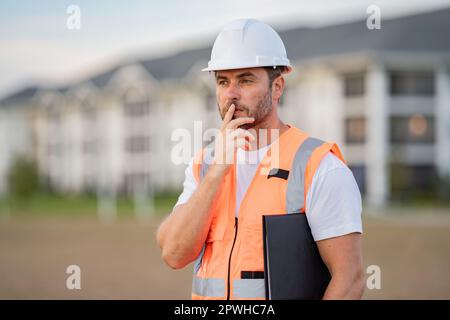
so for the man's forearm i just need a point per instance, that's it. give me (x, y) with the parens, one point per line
(344, 286)
(182, 234)
(343, 257)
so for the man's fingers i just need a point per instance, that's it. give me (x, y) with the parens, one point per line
(233, 124)
(228, 115)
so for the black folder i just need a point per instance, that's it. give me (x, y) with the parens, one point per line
(293, 267)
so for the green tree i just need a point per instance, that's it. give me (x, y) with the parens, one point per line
(23, 179)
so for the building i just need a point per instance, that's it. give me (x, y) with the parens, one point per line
(382, 95)
(16, 134)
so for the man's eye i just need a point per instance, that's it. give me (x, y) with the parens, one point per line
(222, 83)
(247, 81)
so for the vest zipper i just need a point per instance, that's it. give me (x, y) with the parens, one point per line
(231, 252)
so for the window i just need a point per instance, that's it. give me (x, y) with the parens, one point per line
(137, 109)
(137, 144)
(412, 83)
(355, 130)
(354, 84)
(410, 181)
(414, 129)
(136, 103)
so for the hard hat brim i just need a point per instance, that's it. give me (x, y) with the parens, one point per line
(288, 68)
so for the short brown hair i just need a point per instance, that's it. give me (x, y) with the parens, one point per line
(274, 73)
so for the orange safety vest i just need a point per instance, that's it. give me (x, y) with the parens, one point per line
(231, 263)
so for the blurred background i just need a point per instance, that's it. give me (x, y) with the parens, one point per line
(90, 95)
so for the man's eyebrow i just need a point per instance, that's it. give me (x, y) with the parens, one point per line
(241, 75)
(218, 76)
(246, 74)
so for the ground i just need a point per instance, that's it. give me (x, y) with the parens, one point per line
(122, 260)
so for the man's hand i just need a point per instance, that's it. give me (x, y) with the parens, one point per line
(230, 138)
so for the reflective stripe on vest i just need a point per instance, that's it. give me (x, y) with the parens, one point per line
(208, 287)
(249, 289)
(296, 180)
(215, 288)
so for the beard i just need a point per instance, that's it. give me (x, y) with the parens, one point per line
(260, 112)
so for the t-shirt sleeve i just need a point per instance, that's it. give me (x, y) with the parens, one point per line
(333, 202)
(189, 184)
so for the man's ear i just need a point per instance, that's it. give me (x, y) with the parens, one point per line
(277, 88)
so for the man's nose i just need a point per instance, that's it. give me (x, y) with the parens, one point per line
(232, 92)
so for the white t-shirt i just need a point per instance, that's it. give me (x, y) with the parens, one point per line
(333, 201)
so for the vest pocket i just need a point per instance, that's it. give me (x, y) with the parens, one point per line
(214, 258)
(216, 230)
(252, 247)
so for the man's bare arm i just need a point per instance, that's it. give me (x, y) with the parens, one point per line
(343, 257)
(183, 233)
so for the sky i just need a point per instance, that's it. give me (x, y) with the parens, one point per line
(36, 47)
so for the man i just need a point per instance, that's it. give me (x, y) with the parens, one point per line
(217, 219)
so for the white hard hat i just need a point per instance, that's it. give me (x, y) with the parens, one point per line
(247, 43)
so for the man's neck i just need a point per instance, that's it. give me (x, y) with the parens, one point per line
(267, 132)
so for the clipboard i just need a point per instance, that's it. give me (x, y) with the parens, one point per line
(293, 267)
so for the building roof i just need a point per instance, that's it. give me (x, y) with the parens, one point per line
(175, 66)
(101, 79)
(23, 94)
(423, 32)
